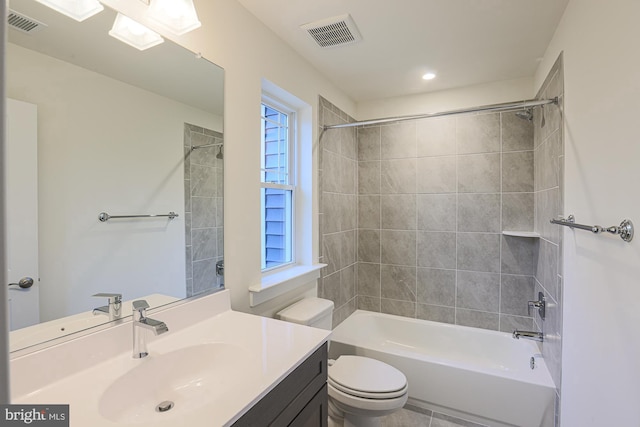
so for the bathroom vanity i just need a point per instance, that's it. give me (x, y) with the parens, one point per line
(298, 400)
(217, 367)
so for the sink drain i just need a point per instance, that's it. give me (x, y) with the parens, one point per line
(165, 406)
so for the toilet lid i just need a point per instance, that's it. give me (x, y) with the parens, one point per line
(367, 377)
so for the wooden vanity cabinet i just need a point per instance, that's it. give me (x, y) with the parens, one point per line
(300, 400)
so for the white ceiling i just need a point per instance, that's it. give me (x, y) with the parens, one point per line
(466, 42)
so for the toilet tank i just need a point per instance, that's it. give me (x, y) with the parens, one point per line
(315, 312)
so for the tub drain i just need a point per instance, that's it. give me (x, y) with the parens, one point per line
(165, 406)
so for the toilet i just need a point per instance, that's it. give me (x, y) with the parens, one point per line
(361, 389)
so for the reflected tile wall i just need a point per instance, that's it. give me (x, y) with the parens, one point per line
(203, 200)
(434, 197)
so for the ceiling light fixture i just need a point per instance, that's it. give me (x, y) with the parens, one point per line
(134, 34)
(75, 9)
(429, 76)
(177, 16)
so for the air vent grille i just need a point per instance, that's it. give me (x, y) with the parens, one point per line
(23, 23)
(331, 32)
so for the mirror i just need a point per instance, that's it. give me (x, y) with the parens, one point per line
(114, 129)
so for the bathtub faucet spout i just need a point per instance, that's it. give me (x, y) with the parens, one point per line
(535, 336)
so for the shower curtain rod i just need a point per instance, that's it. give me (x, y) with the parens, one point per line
(485, 108)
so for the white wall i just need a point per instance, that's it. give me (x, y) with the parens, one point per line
(601, 373)
(234, 39)
(103, 146)
(464, 97)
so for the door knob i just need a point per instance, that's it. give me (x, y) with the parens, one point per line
(24, 283)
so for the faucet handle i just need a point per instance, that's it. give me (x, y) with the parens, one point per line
(540, 304)
(140, 305)
(533, 304)
(113, 298)
(113, 308)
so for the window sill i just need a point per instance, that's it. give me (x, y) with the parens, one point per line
(278, 283)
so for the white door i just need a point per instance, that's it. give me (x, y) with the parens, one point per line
(22, 212)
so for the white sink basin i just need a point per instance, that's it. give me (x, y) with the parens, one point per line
(213, 364)
(190, 378)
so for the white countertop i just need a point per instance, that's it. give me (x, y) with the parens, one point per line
(255, 353)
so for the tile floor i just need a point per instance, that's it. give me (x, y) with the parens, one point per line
(411, 416)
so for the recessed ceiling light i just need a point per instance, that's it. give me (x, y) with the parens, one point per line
(429, 76)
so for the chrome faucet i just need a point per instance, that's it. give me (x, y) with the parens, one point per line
(530, 335)
(141, 321)
(113, 309)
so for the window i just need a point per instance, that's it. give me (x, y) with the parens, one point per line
(289, 257)
(277, 184)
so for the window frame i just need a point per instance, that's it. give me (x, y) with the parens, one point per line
(292, 178)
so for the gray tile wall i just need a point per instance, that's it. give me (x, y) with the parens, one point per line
(203, 190)
(338, 184)
(549, 203)
(434, 196)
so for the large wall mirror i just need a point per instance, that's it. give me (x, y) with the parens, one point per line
(96, 126)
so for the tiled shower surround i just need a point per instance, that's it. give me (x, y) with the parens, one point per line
(549, 202)
(430, 198)
(434, 196)
(203, 190)
(412, 215)
(338, 168)
(431, 204)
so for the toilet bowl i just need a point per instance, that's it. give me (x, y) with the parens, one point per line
(361, 389)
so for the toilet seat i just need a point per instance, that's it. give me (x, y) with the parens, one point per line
(367, 395)
(366, 378)
(363, 406)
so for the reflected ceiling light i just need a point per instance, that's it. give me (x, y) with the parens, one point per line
(76, 9)
(429, 76)
(134, 34)
(176, 16)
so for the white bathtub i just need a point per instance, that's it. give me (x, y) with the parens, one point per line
(480, 375)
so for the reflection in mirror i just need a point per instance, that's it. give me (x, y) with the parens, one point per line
(94, 126)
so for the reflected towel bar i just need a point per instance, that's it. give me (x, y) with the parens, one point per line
(104, 217)
(196, 147)
(625, 229)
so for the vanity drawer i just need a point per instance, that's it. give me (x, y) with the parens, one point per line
(298, 400)
(314, 414)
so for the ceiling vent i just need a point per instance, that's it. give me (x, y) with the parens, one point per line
(331, 32)
(23, 23)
